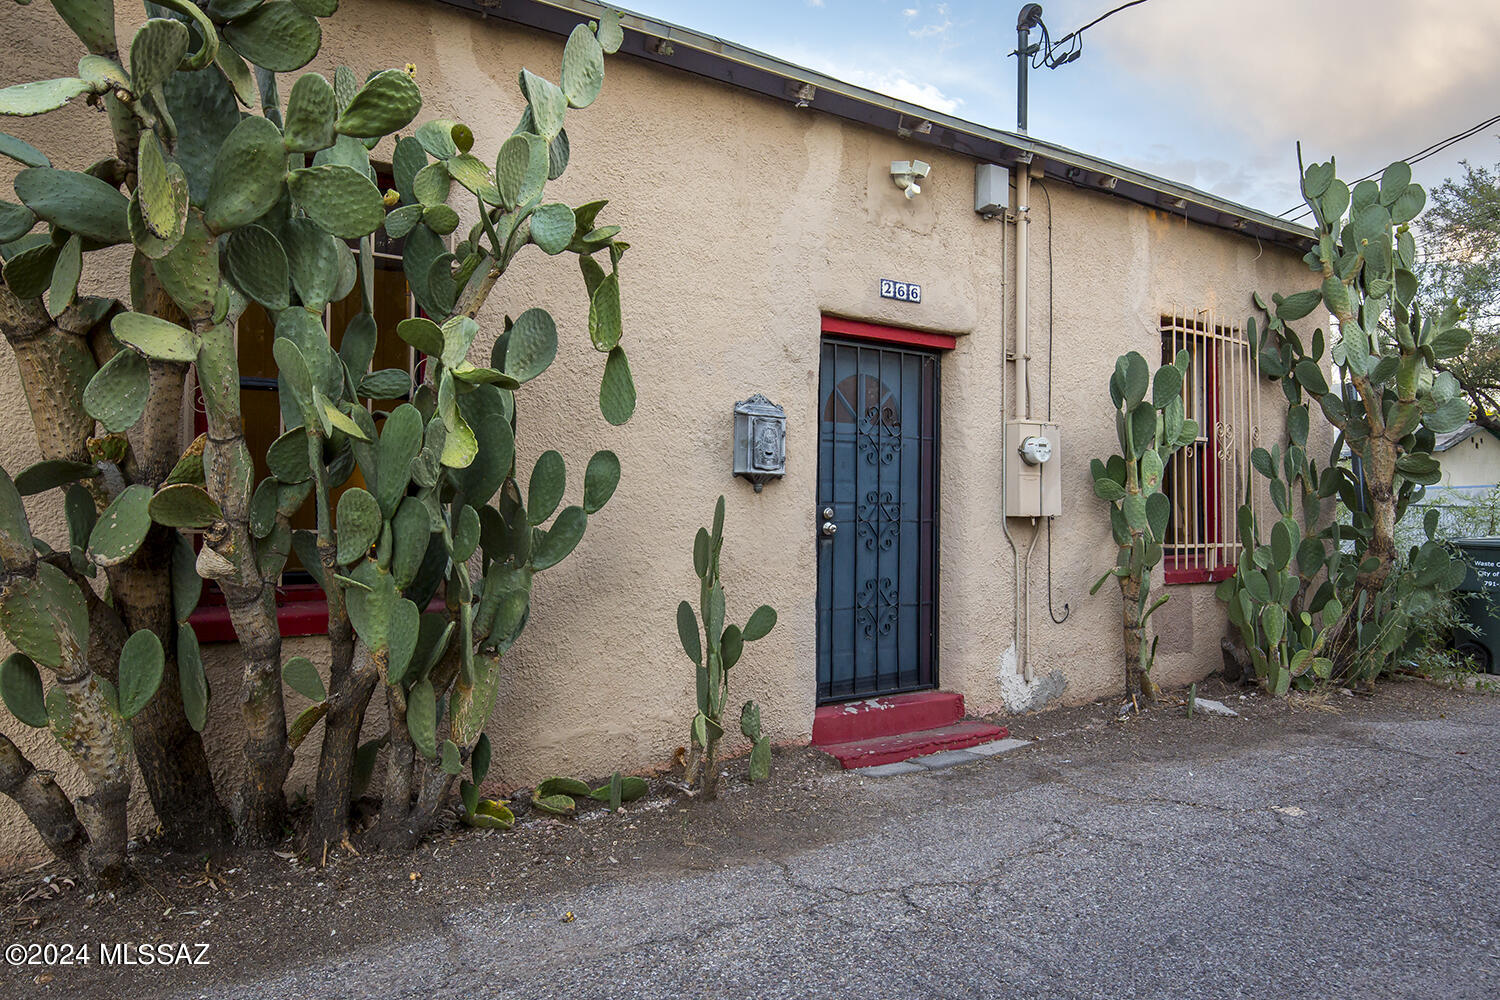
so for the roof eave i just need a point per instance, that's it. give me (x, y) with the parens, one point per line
(716, 59)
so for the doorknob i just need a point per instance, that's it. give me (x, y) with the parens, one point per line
(829, 528)
(828, 513)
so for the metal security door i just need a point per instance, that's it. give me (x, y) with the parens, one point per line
(876, 520)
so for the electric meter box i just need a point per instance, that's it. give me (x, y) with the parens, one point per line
(1033, 469)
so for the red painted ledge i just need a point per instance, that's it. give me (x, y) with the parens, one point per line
(1194, 574)
(887, 334)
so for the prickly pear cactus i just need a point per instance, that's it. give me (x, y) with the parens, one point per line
(1150, 432)
(232, 187)
(1339, 597)
(715, 647)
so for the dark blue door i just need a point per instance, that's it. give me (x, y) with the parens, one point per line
(877, 520)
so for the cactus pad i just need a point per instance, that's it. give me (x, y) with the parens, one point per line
(184, 505)
(154, 337)
(248, 175)
(141, 665)
(491, 815)
(617, 389)
(532, 345)
(560, 539)
(255, 261)
(387, 102)
(301, 676)
(545, 490)
(520, 169)
(77, 202)
(582, 67)
(21, 689)
(287, 457)
(421, 719)
(277, 36)
(309, 115)
(192, 680)
(340, 199)
(762, 620)
(27, 99)
(405, 631)
(599, 480)
(116, 395)
(122, 527)
(564, 786)
(358, 521)
(51, 474)
(450, 760)
(400, 440)
(552, 228)
(557, 805)
(631, 788)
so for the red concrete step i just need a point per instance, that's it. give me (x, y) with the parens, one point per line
(847, 721)
(904, 746)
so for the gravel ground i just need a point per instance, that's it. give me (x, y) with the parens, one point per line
(1320, 847)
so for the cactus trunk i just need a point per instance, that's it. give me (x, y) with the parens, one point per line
(44, 804)
(251, 600)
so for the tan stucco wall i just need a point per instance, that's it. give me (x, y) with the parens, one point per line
(748, 220)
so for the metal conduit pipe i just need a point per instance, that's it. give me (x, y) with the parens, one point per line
(1015, 551)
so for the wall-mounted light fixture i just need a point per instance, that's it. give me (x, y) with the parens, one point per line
(906, 173)
(759, 440)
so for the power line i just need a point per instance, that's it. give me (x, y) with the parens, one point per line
(1045, 52)
(1416, 157)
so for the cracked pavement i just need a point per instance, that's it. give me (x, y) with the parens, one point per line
(1047, 872)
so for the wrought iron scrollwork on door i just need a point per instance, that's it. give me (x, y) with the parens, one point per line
(880, 434)
(879, 520)
(875, 606)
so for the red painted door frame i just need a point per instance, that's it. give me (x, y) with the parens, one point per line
(860, 330)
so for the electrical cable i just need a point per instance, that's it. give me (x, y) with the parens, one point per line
(1417, 157)
(1051, 300)
(1044, 52)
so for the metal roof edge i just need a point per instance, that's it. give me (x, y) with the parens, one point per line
(671, 45)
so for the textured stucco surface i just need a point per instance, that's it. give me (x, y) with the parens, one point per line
(748, 220)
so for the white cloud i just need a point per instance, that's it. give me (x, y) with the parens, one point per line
(815, 3)
(899, 86)
(910, 12)
(935, 29)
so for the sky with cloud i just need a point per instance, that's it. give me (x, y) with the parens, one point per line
(1211, 93)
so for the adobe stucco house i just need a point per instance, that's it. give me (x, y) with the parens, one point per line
(765, 225)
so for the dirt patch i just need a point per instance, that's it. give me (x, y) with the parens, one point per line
(262, 909)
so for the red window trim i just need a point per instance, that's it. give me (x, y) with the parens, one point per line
(301, 609)
(887, 334)
(1197, 574)
(1180, 568)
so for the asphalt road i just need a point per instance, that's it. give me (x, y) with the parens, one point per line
(1351, 858)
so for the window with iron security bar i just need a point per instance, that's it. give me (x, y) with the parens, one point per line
(1209, 479)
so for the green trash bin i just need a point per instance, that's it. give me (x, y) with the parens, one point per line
(1479, 597)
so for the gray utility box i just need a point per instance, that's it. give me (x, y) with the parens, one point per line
(1479, 597)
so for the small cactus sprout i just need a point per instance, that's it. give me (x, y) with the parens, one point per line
(715, 647)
